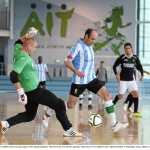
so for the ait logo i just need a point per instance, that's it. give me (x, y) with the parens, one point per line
(133, 60)
(34, 21)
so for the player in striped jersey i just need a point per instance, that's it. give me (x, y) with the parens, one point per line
(81, 61)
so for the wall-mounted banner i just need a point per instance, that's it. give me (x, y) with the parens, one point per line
(61, 22)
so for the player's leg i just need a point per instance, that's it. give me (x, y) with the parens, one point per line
(28, 115)
(98, 88)
(122, 89)
(90, 100)
(133, 88)
(45, 113)
(128, 99)
(75, 91)
(80, 100)
(129, 108)
(47, 98)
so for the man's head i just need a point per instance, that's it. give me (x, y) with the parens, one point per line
(90, 36)
(128, 49)
(29, 45)
(40, 59)
(102, 64)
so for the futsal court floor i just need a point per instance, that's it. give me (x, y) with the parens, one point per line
(34, 133)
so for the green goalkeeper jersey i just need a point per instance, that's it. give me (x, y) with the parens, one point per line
(25, 67)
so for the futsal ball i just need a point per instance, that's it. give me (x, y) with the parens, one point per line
(95, 120)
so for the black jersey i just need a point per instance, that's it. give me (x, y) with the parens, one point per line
(128, 66)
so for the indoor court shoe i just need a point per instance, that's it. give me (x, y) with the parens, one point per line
(137, 114)
(72, 133)
(3, 127)
(136, 119)
(45, 118)
(118, 126)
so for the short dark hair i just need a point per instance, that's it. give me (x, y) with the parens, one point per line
(127, 44)
(89, 31)
(102, 62)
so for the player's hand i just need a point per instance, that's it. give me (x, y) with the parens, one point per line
(142, 78)
(31, 32)
(118, 77)
(80, 74)
(22, 96)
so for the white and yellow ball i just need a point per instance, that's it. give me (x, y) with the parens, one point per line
(95, 120)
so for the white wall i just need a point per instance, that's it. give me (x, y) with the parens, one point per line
(82, 18)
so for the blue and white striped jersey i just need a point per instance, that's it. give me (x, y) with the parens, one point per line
(82, 57)
(42, 69)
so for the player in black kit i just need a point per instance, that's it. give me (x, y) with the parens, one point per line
(126, 79)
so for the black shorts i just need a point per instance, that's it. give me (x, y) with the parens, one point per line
(93, 86)
(42, 83)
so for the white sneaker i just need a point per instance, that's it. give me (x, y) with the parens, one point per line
(119, 126)
(125, 106)
(72, 132)
(3, 127)
(45, 118)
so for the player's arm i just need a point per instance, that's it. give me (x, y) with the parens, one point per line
(106, 76)
(69, 59)
(48, 76)
(31, 32)
(144, 71)
(117, 62)
(140, 68)
(71, 67)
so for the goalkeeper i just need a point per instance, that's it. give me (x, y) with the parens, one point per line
(24, 77)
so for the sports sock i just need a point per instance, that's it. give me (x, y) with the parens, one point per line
(131, 100)
(115, 100)
(128, 98)
(136, 101)
(6, 124)
(110, 111)
(80, 98)
(89, 99)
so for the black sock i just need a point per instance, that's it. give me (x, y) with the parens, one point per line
(136, 101)
(128, 98)
(115, 100)
(131, 100)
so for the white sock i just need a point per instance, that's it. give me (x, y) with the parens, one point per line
(90, 99)
(50, 111)
(45, 108)
(99, 101)
(69, 130)
(81, 98)
(6, 124)
(112, 115)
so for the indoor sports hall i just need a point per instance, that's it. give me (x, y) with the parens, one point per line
(60, 23)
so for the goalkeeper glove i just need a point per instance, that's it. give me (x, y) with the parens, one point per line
(22, 96)
(31, 32)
